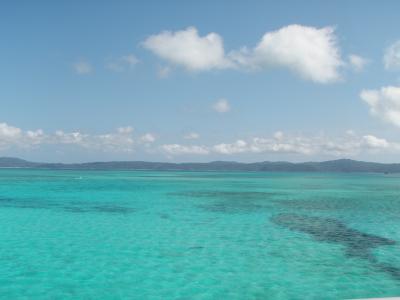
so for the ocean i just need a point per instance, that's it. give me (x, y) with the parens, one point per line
(198, 235)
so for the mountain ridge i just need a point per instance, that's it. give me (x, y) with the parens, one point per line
(339, 165)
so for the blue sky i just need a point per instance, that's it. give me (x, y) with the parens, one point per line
(200, 81)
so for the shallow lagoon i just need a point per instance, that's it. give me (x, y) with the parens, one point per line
(198, 235)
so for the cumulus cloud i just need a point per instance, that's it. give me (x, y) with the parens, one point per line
(191, 136)
(308, 51)
(357, 62)
(82, 67)
(221, 106)
(122, 63)
(188, 49)
(7, 131)
(9, 135)
(391, 58)
(384, 103)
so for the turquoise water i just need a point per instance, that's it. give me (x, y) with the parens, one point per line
(198, 235)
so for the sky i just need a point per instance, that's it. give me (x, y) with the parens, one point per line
(200, 81)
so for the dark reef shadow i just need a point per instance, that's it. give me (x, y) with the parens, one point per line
(314, 204)
(357, 244)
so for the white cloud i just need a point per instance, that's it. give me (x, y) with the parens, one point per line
(125, 130)
(221, 106)
(347, 145)
(35, 137)
(69, 138)
(391, 58)
(113, 142)
(9, 135)
(374, 142)
(123, 63)
(7, 131)
(308, 51)
(279, 135)
(384, 103)
(177, 149)
(189, 50)
(83, 67)
(191, 136)
(148, 138)
(122, 140)
(119, 141)
(266, 145)
(357, 62)
(13, 136)
(239, 146)
(279, 144)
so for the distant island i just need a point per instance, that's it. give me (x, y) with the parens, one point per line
(340, 165)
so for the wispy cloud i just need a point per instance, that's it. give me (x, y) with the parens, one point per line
(384, 103)
(391, 58)
(164, 72)
(357, 62)
(191, 136)
(122, 63)
(221, 106)
(83, 67)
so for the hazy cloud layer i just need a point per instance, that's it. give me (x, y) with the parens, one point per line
(119, 141)
(347, 145)
(123, 140)
(177, 149)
